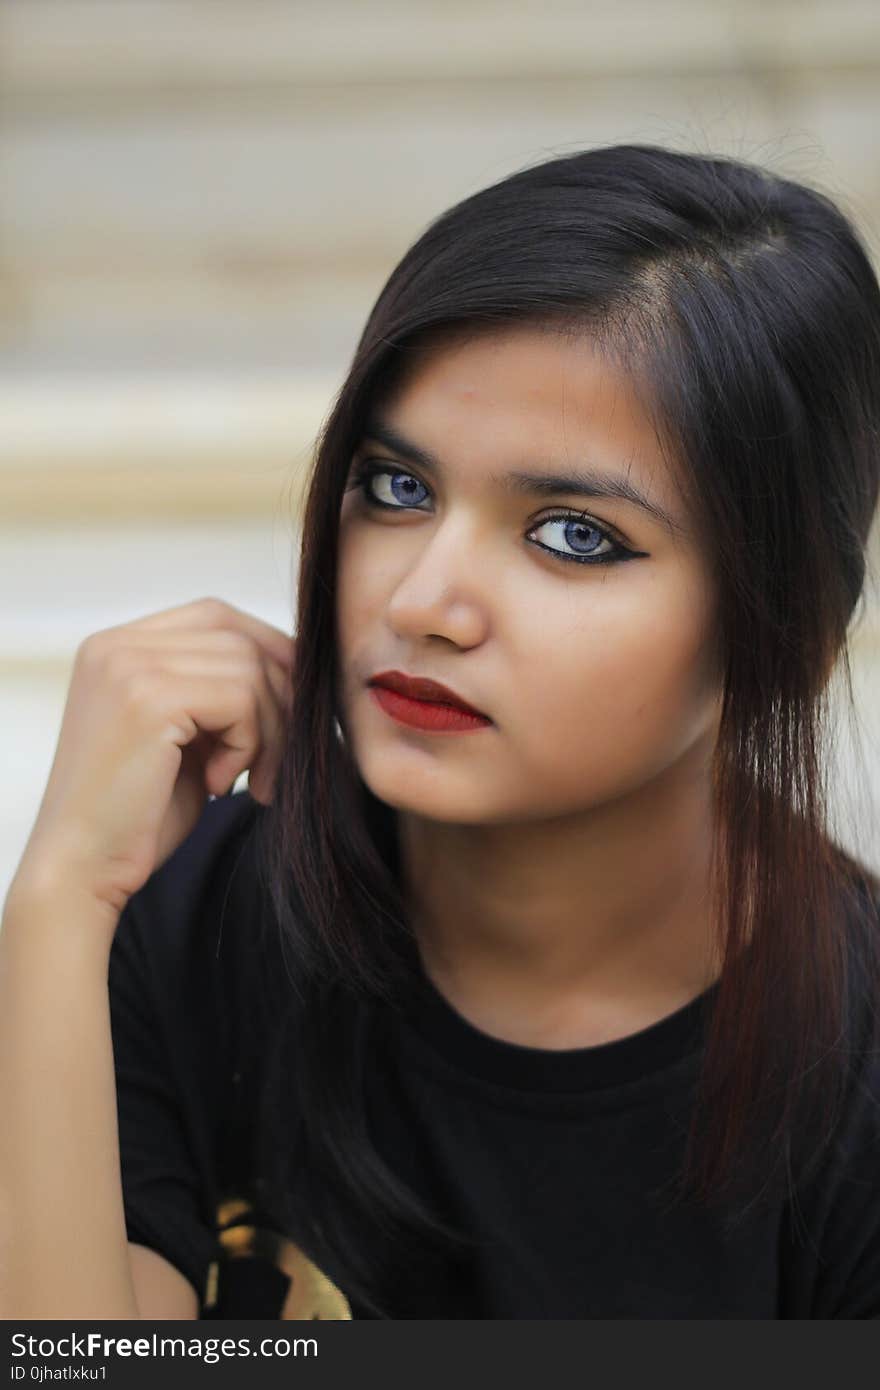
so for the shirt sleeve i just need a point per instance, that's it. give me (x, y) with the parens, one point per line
(831, 1266)
(830, 1248)
(848, 1283)
(169, 1056)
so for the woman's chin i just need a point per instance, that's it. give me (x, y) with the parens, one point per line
(424, 796)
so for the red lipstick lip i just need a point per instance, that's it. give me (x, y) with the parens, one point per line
(420, 688)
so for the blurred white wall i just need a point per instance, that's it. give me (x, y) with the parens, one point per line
(198, 205)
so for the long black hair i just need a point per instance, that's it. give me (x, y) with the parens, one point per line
(746, 308)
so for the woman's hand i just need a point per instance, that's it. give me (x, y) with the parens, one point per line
(161, 713)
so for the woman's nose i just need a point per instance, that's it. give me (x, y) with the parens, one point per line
(443, 592)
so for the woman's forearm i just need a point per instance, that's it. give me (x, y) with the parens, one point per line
(63, 1243)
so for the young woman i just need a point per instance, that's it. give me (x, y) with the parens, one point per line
(528, 980)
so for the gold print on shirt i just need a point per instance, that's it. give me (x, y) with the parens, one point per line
(311, 1294)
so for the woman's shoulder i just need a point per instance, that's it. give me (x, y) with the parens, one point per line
(861, 887)
(838, 1206)
(181, 883)
(200, 912)
(194, 976)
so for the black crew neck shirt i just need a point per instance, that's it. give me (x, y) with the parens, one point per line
(556, 1163)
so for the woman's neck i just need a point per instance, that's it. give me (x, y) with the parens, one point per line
(569, 932)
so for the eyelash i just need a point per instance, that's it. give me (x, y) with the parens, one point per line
(366, 470)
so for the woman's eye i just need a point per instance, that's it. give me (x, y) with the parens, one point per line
(391, 488)
(396, 490)
(582, 538)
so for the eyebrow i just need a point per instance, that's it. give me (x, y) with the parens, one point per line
(586, 482)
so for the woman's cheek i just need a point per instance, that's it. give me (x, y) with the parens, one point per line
(357, 579)
(621, 698)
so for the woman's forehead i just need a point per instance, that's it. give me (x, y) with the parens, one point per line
(523, 376)
(525, 399)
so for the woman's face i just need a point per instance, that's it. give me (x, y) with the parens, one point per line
(598, 674)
